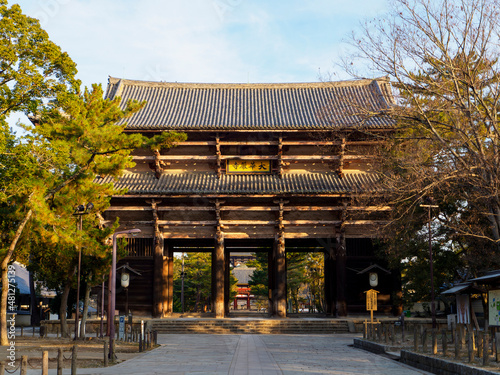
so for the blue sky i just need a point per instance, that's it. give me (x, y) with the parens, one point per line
(203, 40)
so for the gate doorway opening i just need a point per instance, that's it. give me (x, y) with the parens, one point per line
(192, 280)
(305, 279)
(249, 278)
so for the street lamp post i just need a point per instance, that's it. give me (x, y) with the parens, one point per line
(111, 314)
(80, 211)
(431, 265)
(182, 283)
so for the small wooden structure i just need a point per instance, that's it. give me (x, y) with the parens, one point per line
(266, 168)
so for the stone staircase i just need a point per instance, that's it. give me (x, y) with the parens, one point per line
(249, 326)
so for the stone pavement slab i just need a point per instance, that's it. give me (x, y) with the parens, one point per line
(187, 354)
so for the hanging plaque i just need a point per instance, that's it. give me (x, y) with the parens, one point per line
(248, 166)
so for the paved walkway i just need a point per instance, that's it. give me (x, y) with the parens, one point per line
(254, 354)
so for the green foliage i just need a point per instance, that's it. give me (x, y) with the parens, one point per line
(197, 281)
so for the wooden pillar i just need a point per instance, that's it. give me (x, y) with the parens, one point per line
(330, 280)
(158, 263)
(218, 263)
(168, 280)
(227, 282)
(279, 288)
(270, 276)
(279, 263)
(341, 260)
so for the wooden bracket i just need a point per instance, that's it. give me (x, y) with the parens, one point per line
(340, 169)
(218, 154)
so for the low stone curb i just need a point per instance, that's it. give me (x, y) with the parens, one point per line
(423, 362)
(440, 366)
(372, 346)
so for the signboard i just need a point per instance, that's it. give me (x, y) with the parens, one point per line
(463, 309)
(248, 166)
(371, 300)
(494, 307)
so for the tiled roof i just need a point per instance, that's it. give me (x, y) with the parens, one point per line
(286, 106)
(208, 183)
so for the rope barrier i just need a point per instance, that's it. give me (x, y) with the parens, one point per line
(70, 357)
(13, 371)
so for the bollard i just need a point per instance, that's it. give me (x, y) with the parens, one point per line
(106, 352)
(386, 333)
(156, 337)
(470, 346)
(415, 338)
(45, 362)
(424, 340)
(434, 341)
(2, 368)
(393, 335)
(24, 364)
(458, 344)
(486, 354)
(73, 359)
(444, 342)
(60, 361)
(140, 343)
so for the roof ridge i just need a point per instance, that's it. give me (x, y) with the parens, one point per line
(319, 84)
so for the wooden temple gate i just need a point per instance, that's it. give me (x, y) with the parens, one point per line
(274, 167)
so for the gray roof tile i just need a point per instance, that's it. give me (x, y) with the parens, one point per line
(287, 106)
(208, 183)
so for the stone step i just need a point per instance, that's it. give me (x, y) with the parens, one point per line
(261, 326)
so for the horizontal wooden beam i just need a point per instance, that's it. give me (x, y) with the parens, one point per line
(249, 222)
(275, 143)
(251, 208)
(150, 158)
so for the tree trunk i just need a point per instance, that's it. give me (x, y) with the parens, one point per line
(5, 279)
(64, 307)
(85, 310)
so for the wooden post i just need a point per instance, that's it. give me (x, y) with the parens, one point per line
(74, 359)
(424, 340)
(386, 333)
(2, 368)
(393, 334)
(479, 344)
(140, 343)
(24, 365)
(60, 361)
(453, 330)
(486, 353)
(365, 329)
(45, 362)
(470, 346)
(444, 342)
(434, 341)
(106, 352)
(497, 346)
(415, 338)
(458, 343)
